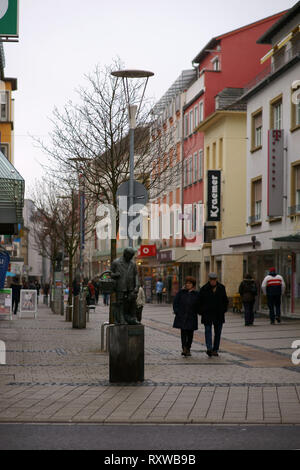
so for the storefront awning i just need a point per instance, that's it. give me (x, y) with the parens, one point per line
(12, 187)
(288, 238)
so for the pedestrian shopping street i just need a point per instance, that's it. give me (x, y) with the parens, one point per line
(54, 373)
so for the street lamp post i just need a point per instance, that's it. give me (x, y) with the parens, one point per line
(133, 111)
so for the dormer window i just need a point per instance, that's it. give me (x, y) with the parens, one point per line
(216, 64)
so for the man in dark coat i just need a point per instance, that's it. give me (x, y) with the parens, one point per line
(213, 304)
(186, 308)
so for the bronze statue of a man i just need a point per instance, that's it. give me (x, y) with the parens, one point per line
(124, 272)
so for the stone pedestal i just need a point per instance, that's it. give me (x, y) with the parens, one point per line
(126, 353)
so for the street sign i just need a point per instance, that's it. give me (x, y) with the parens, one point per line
(9, 15)
(140, 193)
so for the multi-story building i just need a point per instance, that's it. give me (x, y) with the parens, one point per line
(7, 86)
(11, 182)
(273, 165)
(227, 62)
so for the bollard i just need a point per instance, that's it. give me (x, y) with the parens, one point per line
(104, 347)
(79, 313)
(69, 312)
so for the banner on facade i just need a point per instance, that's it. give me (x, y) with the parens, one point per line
(213, 195)
(9, 18)
(275, 173)
(4, 264)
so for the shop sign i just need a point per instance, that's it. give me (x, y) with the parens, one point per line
(165, 256)
(9, 18)
(213, 195)
(147, 250)
(275, 173)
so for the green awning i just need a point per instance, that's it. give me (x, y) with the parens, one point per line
(288, 238)
(12, 188)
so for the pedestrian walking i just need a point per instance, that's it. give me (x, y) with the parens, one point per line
(213, 306)
(159, 290)
(16, 289)
(273, 286)
(90, 293)
(186, 307)
(37, 287)
(248, 292)
(140, 302)
(96, 286)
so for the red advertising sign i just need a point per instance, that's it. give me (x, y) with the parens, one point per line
(148, 250)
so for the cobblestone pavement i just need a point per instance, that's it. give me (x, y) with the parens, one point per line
(54, 373)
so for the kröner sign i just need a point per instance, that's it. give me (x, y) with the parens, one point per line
(213, 195)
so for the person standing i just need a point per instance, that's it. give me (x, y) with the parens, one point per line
(248, 292)
(16, 290)
(273, 286)
(140, 302)
(214, 304)
(186, 308)
(159, 290)
(37, 287)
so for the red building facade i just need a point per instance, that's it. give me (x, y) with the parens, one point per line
(227, 61)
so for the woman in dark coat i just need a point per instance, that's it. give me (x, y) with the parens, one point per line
(248, 292)
(214, 304)
(186, 308)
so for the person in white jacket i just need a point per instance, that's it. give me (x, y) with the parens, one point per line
(273, 286)
(140, 302)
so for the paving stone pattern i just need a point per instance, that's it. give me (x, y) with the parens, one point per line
(55, 373)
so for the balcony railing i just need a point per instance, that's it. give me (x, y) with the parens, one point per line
(279, 60)
(254, 219)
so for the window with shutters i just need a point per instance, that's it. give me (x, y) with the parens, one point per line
(276, 113)
(295, 108)
(256, 137)
(4, 114)
(200, 165)
(195, 168)
(256, 203)
(295, 189)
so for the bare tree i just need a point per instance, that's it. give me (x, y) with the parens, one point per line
(91, 138)
(57, 223)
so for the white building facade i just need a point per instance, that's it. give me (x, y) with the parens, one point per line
(273, 165)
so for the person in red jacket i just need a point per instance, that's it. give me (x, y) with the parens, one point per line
(273, 286)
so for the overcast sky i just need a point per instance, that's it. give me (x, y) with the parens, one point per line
(62, 40)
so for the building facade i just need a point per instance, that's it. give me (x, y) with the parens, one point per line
(273, 165)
